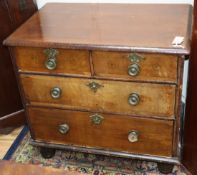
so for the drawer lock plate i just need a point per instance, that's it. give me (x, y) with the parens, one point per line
(94, 86)
(96, 119)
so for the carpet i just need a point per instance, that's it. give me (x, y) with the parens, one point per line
(83, 162)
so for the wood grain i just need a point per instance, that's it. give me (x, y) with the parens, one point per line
(12, 168)
(129, 27)
(153, 67)
(179, 108)
(155, 135)
(68, 61)
(155, 99)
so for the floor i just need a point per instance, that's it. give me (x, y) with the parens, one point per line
(7, 140)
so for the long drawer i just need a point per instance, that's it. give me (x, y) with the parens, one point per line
(53, 61)
(112, 132)
(132, 66)
(100, 95)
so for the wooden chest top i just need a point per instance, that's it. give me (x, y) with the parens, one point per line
(126, 27)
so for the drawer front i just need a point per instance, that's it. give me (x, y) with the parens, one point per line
(114, 132)
(60, 61)
(100, 95)
(145, 67)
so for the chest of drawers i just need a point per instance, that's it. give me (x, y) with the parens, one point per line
(104, 78)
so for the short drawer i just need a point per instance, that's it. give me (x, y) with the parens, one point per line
(103, 131)
(132, 66)
(53, 61)
(100, 95)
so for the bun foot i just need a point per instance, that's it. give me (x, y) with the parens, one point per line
(47, 153)
(165, 168)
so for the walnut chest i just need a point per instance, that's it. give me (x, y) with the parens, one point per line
(104, 78)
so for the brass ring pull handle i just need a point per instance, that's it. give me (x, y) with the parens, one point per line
(133, 136)
(94, 86)
(56, 92)
(134, 99)
(64, 128)
(96, 119)
(133, 70)
(51, 62)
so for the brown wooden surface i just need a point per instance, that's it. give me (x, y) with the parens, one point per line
(10, 101)
(154, 67)
(9, 96)
(178, 135)
(155, 136)
(135, 27)
(11, 168)
(11, 121)
(190, 136)
(155, 99)
(68, 61)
